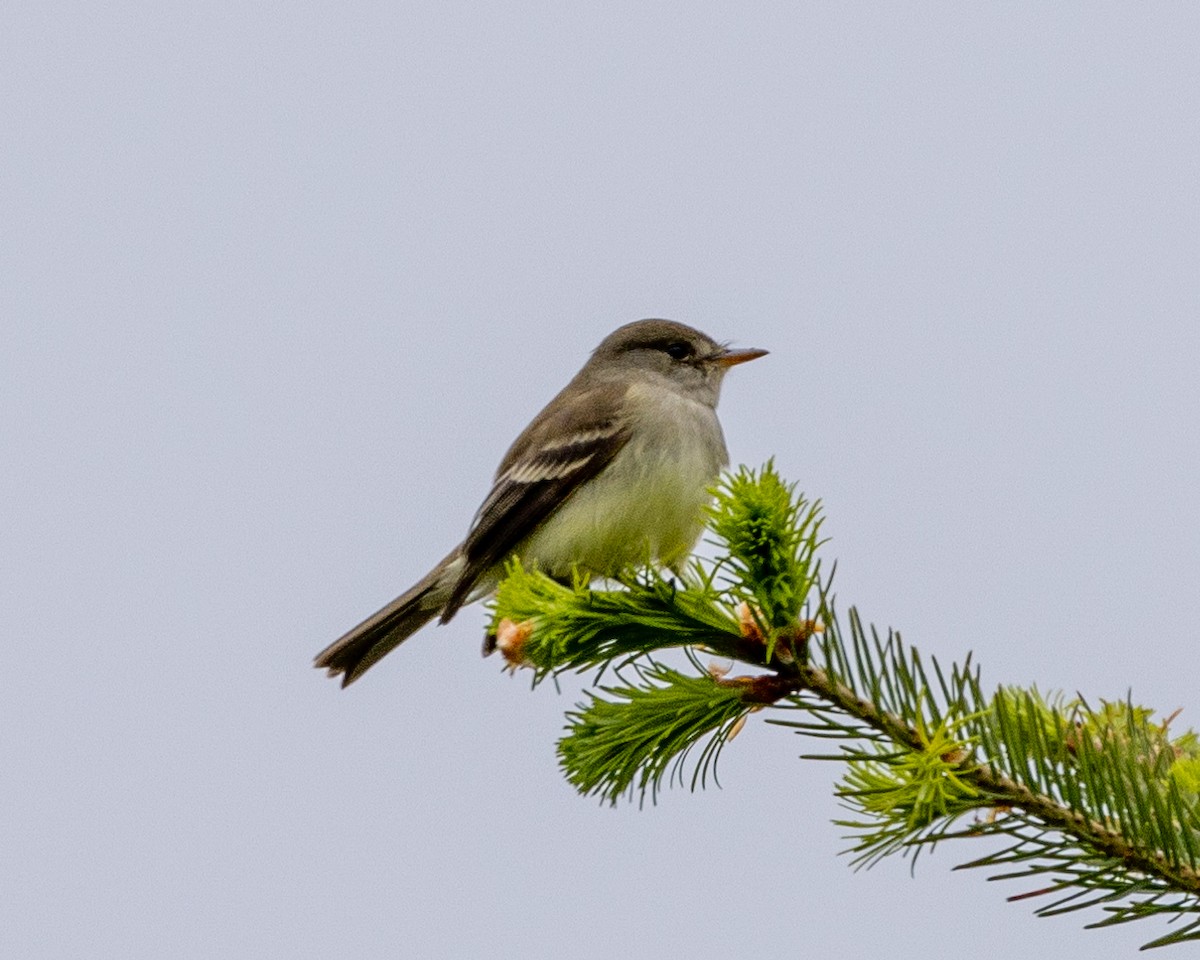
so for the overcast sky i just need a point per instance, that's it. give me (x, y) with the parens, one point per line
(280, 284)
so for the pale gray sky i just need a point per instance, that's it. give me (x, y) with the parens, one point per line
(279, 285)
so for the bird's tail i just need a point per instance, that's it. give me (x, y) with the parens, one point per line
(353, 654)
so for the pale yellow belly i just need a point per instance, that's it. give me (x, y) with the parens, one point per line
(646, 506)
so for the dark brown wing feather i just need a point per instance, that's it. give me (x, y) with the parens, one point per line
(565, 446)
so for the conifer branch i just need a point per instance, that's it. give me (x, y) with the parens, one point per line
(1101, 805)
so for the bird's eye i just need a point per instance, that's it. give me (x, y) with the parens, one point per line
(678, 350)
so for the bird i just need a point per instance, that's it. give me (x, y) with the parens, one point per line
(615, 471)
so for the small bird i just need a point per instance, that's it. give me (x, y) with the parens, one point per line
(614, 472)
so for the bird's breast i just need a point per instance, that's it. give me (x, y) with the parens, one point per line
(647, 504)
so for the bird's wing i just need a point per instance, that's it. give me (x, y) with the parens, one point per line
(565, 446)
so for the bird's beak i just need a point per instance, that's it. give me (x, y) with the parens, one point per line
(731, 358)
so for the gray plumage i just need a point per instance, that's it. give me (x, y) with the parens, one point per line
(613, 472)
